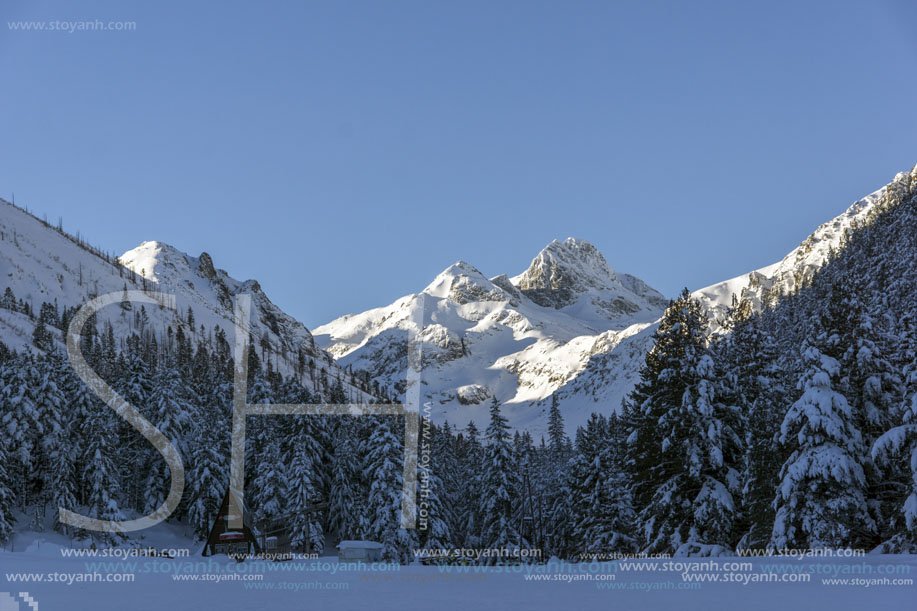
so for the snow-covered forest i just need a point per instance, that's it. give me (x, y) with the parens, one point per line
(791, 426)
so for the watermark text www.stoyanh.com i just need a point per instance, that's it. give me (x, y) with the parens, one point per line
(71, 27)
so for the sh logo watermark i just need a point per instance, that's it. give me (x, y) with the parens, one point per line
(410, 410)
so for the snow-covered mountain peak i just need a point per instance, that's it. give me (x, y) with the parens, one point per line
(500, 337)
(151, 259)
(572, 265)
(462, 283)
(574, 276)
(163, 263)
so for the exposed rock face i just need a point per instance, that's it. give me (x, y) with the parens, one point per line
(504, 283)
(471, 394)
(562, 271)
(565, 271)
(205, 266)
(573, 274)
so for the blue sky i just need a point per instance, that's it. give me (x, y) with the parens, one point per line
(343, 153)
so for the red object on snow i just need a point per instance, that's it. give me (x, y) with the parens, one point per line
(232, 535)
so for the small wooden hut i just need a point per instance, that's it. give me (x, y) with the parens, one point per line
(270, 537)
(230, 541)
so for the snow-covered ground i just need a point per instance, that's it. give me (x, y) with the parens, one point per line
(192, 582)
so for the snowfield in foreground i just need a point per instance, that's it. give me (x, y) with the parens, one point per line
(867, 582)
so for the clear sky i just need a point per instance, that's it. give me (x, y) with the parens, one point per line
(344, 153)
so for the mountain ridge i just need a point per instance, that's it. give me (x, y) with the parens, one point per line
(569, 327)
(592, 370)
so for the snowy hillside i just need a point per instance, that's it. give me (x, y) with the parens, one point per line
(610, 375)
(518, 339)
(569, 325)
(795, 269)
(40, 264)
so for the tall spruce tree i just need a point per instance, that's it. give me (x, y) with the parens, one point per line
(500, 485)
(821, 500)
(383, 469)
(344, 503)
(470, 456)
(682, 445)
(757, 388)
(171, 413)
(601, 512)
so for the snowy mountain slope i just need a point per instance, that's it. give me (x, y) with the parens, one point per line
(40, 263)
(518, 339)
(796, 268)
(610, 376)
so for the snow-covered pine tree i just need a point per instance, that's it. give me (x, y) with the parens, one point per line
(470, 457)
(558, 442)
(304, 455)
(21, 421)
(821, 499)
(553, 487)
(135, 384)
(208, 478)
(344, 504)
(601, 515)
(269, 482)
(500, 486)
(383, 469)
(41, 337)
(171, 413)
(682, 445)
(757, 388)
(49, 400)
(900, 442)
(100, 476)
(620, 515)
(265, 476)
(559, 538)
(7, 496)
(61, 448)
(874, 388)
(208, 444)
(63, 483)
(434, 504)
(663, 379)
(446, 465)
